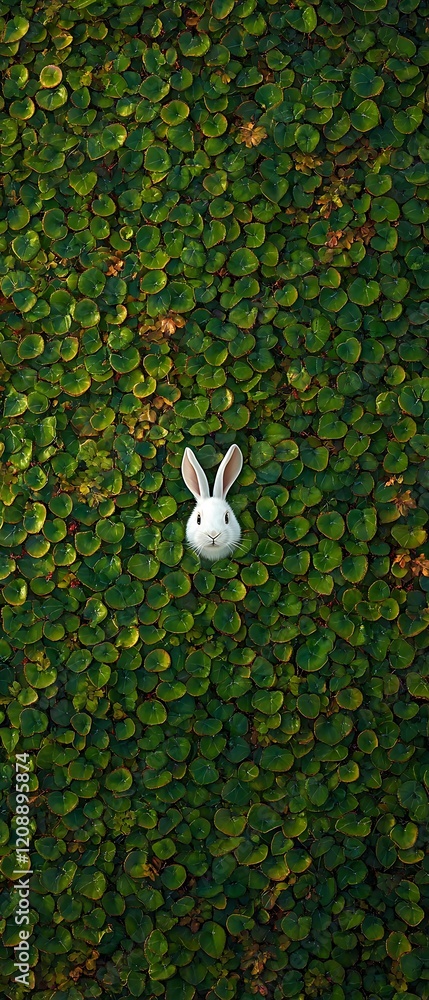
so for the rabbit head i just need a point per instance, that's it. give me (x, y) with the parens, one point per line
(212, 530)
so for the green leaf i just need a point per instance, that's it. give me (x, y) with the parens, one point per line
(31, 346)
(364, 82)
(267, 702)
(365, 117)
(182, 298)
(411, 913)
(153, 282)
(50, 76)
(154, 88)
(349, 350)
(306, 137)
(62, 802)
(303, 19)
(276, 758)
(330, 427)
(409, 537)
(332, 730)
(152, 713)
(226, 618)
(397, 944)
(331, 524)
(15, 29)
(157, 159)
(313, 654)
(90, 883)
(407, 121)
(242, 261)
(76, 383)
(83, 182)
(86, 313)
(364, 293)
(212, 938)
(263, 818)
(175, 112)
(27, 245)
(362, 523)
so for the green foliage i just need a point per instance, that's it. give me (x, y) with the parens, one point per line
(213, 228)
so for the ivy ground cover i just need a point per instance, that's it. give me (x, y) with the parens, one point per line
(214, 229)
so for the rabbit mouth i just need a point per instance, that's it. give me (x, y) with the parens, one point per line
(213, 542)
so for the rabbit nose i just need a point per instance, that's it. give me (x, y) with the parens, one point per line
(213, 536)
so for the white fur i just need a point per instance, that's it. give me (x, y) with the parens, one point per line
(209, 510)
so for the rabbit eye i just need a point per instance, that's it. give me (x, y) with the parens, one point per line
(226, 519)
(198, 518)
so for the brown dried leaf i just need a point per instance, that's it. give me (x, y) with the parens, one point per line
(169, 324)
(401, 559)
(306, 162)
(333, 238)
(393, 480)
(329, 202)
(404, 502)
(420, 566)
(251, 135)
(163, 325)
(115, 267)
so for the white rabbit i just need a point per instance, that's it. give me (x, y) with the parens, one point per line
(212, 530)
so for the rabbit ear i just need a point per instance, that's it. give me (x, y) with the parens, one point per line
(228, 471)
(194, 476)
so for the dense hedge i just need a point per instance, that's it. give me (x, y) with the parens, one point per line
(213, 229)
